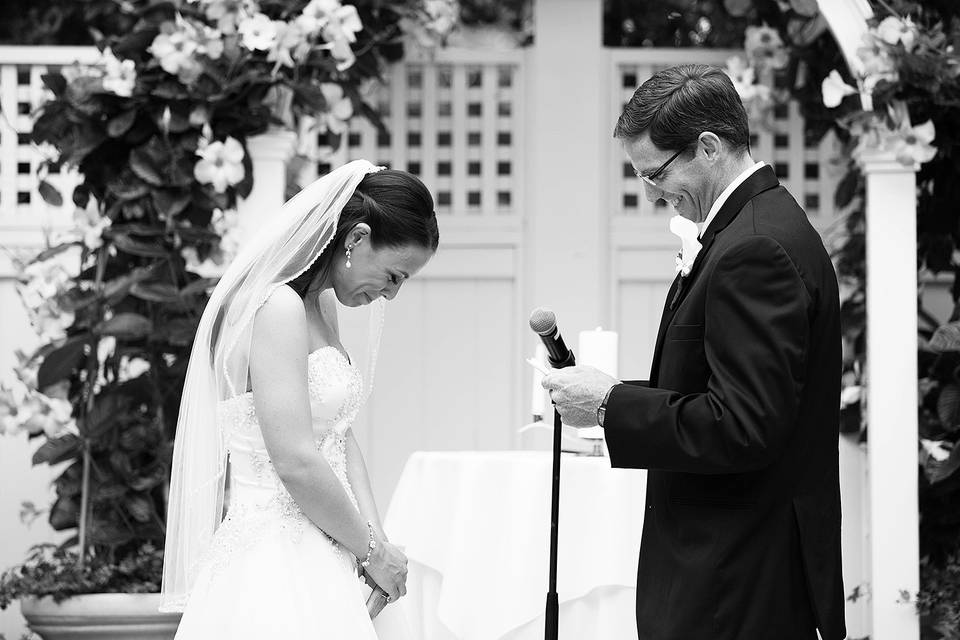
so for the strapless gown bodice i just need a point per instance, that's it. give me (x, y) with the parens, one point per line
(335, 390)
(258, 503)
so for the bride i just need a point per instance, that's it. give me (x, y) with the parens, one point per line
(269, 398)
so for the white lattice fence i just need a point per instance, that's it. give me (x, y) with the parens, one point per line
(23, 213)
(456, 122)
(809, 172)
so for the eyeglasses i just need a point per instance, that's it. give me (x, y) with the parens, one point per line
(649, 179)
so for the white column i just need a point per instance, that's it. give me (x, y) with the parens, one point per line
(892, 395)
(269, 153)
(567, 132)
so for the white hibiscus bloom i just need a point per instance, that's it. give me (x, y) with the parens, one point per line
(258, 32)
(894, 30)
(914, 145)
(120, 76)
(339, 108)
(220, 164)
(834, 90)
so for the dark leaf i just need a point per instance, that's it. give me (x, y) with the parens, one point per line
(197, 287)
(138, 248)
(737, 8)
(60, 363)
(940, 471)
(946, 338)
(169, 202)
(57, 450)
(153, 477)
(146, 168)
(948, 407)
(310, 96)
(179, 331)
(119, 125)
(806, 8)
(119, 287)
(50, 194)
(803, 31)
(108, 533)
(246, 185)
(65, 513)
(139, 507)
(110, 491)
(170, 90)
(55, 82)
(128, 187)
(126, 325)
(155, 292)
(108, 411)
(846, 189)
(46, 254)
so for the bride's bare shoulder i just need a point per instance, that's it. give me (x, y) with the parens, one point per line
(281, 314)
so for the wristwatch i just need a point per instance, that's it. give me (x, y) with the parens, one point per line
(602, 409)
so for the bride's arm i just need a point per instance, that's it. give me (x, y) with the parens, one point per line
(360, 482)
(278, 376)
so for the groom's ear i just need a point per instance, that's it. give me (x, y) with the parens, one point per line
(710, 145)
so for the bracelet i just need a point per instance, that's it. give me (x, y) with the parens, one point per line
(371, 545)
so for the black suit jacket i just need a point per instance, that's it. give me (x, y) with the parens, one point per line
(739, 428)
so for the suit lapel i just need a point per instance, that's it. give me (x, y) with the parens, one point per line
(763, 179)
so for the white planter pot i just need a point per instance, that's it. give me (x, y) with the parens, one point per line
(100, 616)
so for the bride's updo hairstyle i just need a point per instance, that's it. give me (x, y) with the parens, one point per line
(398, 208)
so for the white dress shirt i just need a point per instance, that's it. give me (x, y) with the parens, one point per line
(726, 194)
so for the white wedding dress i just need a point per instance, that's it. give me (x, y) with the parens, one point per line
(270, 572)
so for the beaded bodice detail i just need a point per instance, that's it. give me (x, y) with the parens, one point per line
(258, 500)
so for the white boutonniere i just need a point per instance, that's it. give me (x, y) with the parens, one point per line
(687, 231)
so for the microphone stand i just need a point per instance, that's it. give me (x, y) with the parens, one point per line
(552, 613)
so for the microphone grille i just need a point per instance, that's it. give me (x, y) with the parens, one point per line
(543, 321)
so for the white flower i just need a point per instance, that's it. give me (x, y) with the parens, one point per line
(131, 368)
(834, 90)
(913, 145)
(877, 63)
(174, 49)
(291, 45)
(106, 347)
(209, 268)
(850, 395)
(936, 449)
(258, 32)
(91, 226)
(893, 30)
(221, 164)
(764, 46)
(340, 29)
(120, 76)
(688, 233)
(339, 108)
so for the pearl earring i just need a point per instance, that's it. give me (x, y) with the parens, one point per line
(349, 248)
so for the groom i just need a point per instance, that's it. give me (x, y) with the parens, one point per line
(738, 423)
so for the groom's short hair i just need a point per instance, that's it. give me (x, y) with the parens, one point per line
(677, 104)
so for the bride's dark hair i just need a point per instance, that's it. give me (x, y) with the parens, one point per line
(398, 208)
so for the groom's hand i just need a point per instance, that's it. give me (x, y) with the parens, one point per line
(577, 393)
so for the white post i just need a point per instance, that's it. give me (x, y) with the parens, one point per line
(269, 153)
(568, 132)
(892, 395)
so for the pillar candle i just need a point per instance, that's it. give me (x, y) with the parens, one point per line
(598, 348)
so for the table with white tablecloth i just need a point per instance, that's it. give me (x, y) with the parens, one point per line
(476, 529)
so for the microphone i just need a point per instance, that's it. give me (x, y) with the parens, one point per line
(544, 322)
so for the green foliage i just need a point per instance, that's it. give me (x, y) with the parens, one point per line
(54, 571)
(939, 602)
